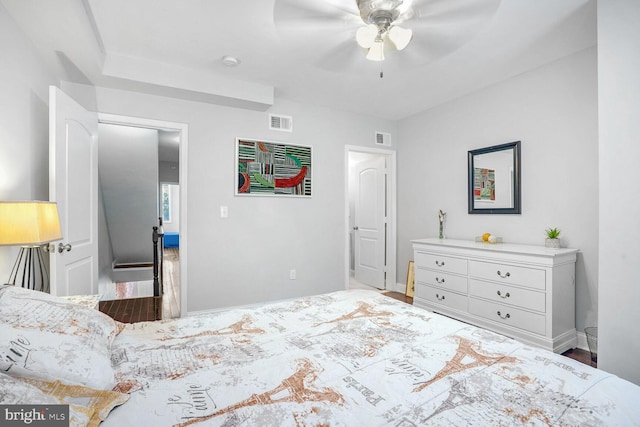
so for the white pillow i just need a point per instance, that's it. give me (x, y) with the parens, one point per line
(49, 338)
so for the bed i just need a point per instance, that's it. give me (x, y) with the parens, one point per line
(348, 358)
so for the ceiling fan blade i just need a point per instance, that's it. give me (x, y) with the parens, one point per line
(423, 50)
(314, 15)
(440, 27)
(447, 12)
(346, 6)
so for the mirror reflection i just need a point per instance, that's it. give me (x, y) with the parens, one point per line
(494, 179)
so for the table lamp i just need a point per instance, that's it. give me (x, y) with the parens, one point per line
(29, 225)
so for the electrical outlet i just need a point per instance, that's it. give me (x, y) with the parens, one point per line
(224, 211)
(292, 274)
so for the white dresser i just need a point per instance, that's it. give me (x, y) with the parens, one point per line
(525, 292)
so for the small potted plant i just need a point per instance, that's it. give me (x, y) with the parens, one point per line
(552, 240)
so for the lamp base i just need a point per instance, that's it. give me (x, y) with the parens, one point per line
(30, 271)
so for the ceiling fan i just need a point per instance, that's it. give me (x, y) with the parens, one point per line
(380, 15)
(338, 30)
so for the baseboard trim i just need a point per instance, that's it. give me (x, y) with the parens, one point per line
(399, 287)
(239, 307)
(582, 341)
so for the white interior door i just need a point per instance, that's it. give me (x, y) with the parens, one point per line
(370, 222)
(73, 184)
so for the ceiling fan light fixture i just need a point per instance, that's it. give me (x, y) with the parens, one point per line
(400, 36)
(366, 36)
(376, 51)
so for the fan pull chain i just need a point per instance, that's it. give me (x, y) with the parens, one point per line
(381, 72)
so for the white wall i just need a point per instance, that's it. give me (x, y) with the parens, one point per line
(619, 232)
(246, 257)
(128, 169)
(169, 172)
(24, 124)
(553, 111)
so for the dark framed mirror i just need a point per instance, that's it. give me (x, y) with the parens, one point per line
(494, 179)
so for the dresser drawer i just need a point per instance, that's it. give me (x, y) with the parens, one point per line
(442, 297)
(441, 263)
(506, 294)
(504, 273)
(440, 279)
(531, 287)
(506, 315)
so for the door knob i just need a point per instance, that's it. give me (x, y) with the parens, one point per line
(62, 248)
(355, 228)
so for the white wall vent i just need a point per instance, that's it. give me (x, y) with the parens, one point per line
(383, 138)
(279, 122)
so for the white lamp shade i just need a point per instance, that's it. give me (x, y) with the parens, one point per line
(376, 52)
(29, 223)
(366, 36)
(400, 36)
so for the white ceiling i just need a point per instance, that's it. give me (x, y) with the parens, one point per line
(303, 50)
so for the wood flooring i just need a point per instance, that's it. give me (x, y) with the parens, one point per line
(399, 296)
(132, 310)
(171, 270)
(576, 354)
(127, 309)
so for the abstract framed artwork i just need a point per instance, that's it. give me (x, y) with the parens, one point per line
(268, 168)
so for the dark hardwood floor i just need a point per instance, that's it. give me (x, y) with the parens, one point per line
(129, 309)
(399, 296)
(576, 354)
(580, 355)
(132, 310)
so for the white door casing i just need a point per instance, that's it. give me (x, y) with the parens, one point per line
(183, 129)
(73, 184)
(370, 222)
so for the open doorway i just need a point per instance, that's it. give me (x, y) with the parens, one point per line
(170, 265)
(371, 229)
(167, 194)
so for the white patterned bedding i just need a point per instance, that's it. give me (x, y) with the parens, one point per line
(352, 358)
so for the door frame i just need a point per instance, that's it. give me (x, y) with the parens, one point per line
(183, 128)
(390, 280)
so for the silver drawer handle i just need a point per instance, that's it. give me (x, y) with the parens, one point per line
(504, 276)
(439, 280)
(504, 317)
(503, 296)
(440, 298)
(440, 263)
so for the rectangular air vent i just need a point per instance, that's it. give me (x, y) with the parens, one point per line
(383, 138)
(279, 122)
